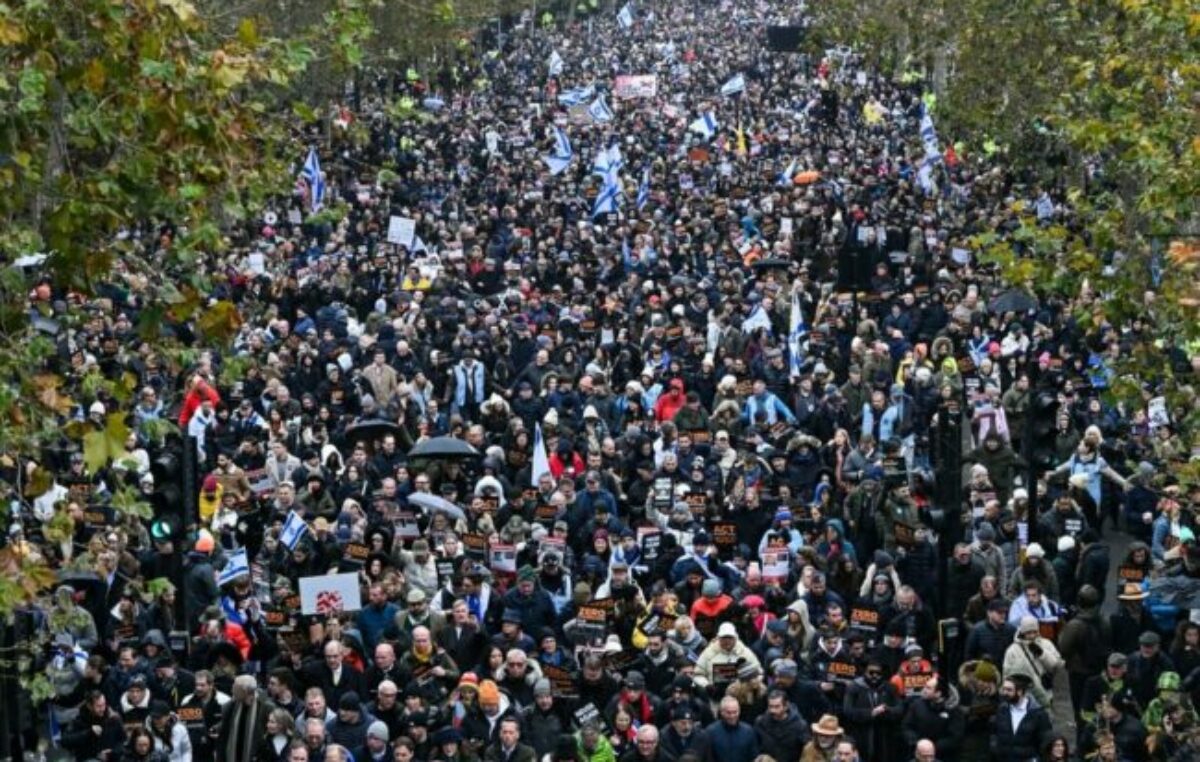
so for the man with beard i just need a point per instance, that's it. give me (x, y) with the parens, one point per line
(781, 730)
(683, 734)
(873, 711)
(201, 713)
(826, 733)
(1021, 728)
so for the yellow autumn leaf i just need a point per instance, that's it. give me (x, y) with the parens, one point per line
(184, 11)
(11, 33)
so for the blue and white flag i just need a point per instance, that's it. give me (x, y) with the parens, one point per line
(294, 528)
(541, 461)
(706, 125)
(237, 567)
(577, 95)
(643, 196)
(562, 156)
(608, 163)
(785, 177)
(625, 17)
(315, 179)
(736, 84)
(929, 134)
(758, 318)
(599, 110)
(925, 175)
(608, 200)
(797, 330)
(555, 64)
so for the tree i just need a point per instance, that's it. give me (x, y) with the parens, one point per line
(1096, 102)
(118, 119)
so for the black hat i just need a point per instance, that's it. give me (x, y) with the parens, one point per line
(159, 709)
(682, 712)
(349, 702)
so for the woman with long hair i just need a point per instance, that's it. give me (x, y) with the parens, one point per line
(281, 729)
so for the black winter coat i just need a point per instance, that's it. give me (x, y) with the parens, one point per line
(945, 722)
(781, 739)
(876, 736)
(1024, 742)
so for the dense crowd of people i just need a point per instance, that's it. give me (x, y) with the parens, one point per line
(716, 504)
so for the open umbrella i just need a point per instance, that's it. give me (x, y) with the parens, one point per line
(371, 430)
(443, 448)
(1013, 301)
(436, 504)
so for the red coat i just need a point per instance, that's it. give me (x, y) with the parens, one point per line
(195, 396)
(667, 405)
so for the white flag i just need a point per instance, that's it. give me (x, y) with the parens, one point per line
(541, 461)
(735, 85)
(556, 64)
(625, 17)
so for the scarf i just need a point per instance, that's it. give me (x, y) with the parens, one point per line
(242, 731)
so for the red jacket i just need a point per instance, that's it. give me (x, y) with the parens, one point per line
(667, 405)
(195, 396)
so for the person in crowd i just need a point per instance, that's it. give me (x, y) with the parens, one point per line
(557, 429)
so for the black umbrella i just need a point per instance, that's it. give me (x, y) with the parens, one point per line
(769, 264)
(370, 430)
(443, 448)
(1013, 301)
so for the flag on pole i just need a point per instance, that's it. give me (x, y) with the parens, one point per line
(785, 177)
(625, 17)
(237, 567)
(643, 196)
(562, 155)
(797, 330)
(608, 163)
(541, 461)
(735, 85)
(294, 528)
(316, 180)
(928, 133)
(555, 64)
(599, 110)
(608, 199)
(706, 125)
(925, 175)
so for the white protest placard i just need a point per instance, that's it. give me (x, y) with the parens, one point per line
(775, 565)
(329, 594)
(401, 230)
(1157, 413)
(257, 262)
(785, 226)
(860, 78)
(503, 559)
(627, 86)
